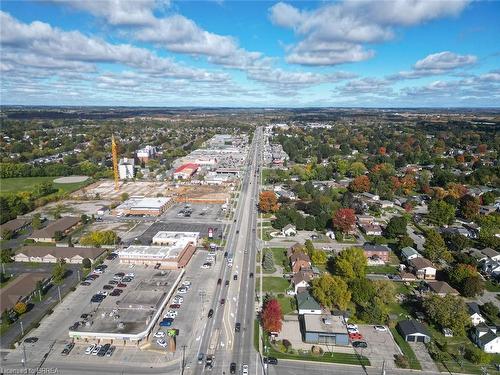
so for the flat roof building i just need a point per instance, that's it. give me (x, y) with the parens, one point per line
(325, 329)
(144, 206)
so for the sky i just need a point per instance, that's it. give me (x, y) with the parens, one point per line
(400, 53)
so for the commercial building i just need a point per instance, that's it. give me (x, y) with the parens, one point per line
(146, 153)
(21, 289)
(325, 330)
(171, 250)
(63, 225)
(14, 226)
(51, 254)
(143, 206)
(126, 168)
(185, 171)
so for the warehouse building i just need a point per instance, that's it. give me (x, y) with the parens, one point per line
(185, 171)
(143, 206)
(170, 250)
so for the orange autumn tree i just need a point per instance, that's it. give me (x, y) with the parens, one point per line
(344, 219)
(268, 202)
(360, 184)
(271, 316)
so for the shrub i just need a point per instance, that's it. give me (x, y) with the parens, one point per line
(477, 356)
(401, 361)
(316, 350)
(287, 344)
(20, 308)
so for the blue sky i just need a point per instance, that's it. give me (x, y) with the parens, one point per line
(401, 53)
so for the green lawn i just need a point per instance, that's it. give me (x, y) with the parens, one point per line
(382, 269)
(275, 284)
(279, 255)
(20, 184)
(407, 350)
(491, 287)
(288, 304)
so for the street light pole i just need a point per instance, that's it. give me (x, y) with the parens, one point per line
(59, 292)
(22, 328)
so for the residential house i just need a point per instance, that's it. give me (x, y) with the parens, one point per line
(299, 261)
(475, 313)
(423, 268)
(365, 219)
(385, 204)
(490, 253)
(413, 331)
(51, 254)
(491, 267)
(371, 229)
(486, 337)
(21, 289)
(63, 225)
(377, 252)
(408, 253)
(442, 288)
(289, 230)
(306, 304)
(406, 276)
(292, 249)
(14, 226)
(301, 280)
(370, 196)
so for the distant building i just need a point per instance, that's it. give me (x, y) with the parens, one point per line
(185, 171)
(408, 253)
(51, 254)
(475, 313)
(143, 206)
(442, 288)
(126, 168)
(146, 153)
(63, 225)
(289, 230)
(371, 229)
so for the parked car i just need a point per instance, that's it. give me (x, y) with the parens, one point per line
(108, 287)
(121, 285)
(96, 349)
(112, 282)
(162, 343)
(159, 334)
(271, 360)
(380, 328)
(67, 348)
(166, 322)
(31, 340)
(232, 368)
(353, 326)
(175, 306)
(201, 356)
(110, 351)
(359, 344)
(90, 349)
(102, 352)
(85, 283)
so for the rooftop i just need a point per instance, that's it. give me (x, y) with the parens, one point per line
(60, 225)
(324, 323)
(20, 287)
(60, 252)
(141, 203)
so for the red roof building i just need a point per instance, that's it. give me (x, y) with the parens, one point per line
(185, 171)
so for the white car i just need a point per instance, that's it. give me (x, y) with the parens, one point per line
(98, 271)
(173, 312)
(212, 253)
(131, 274)
(352, 330)
(245, 370)
(162, 343)
(380, 328)
(353, 326)
(89, 349)
(182, 290)
(103, 293)
(206, 266)
(96, 349)
(168, 315)
(159, 334)
(178, 299)
(186, 283)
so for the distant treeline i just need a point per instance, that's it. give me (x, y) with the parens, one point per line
(10, 170)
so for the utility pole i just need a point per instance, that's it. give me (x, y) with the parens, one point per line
(23, 360)
(183, 358)
(59, 292)
(22, 328)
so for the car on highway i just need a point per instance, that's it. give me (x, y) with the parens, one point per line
(201, 356)
(251, 275)
(219, 281)
(232, 368)
(211, 313)
(67, 348)
(222, 301)
(227, 283)
(235, 277)
(244, 369)
(380, 328)
(209, 364)
(271, 360)
(359, 344)
(237, 327)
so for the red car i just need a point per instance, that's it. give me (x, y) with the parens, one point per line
(121, 285)
(175, 306)
(355, 336)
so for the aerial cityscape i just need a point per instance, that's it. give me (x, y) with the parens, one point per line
(250, 187)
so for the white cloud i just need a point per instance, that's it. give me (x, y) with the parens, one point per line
(374, 86)
(350, 24)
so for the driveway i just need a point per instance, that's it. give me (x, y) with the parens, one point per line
(423, 356)
(489, 297)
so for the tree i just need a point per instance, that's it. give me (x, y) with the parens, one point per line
(375, 312)
(36, 222)
(344, 219)
(58, 272)
(448, 312)
(86, 263)
(331, 291)
(58, 235)
(271, 316)
(360, 184)
(469, 207)
(477, 356)
(362, 291)
(385, 291)
(488, 198)
(20, 308)
(491, 310)
(7, 234)
(5, 317)
(456, 241)
(396, 226)
(350, 263)
(405, 241)
(6, 255)
(441, 213)
(459, 273)
(99, 238)
(473, 286)
(318, 257)
(435, 247)
(268, 202)
(357, 168)
(124, 197)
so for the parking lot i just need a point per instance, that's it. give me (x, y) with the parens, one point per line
(147, 236)
(381, 345)
(200, 212)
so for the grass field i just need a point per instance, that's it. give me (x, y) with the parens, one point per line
(21, 184)
(275, 284)
(288, 304)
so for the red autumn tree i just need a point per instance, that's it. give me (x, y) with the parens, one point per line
(460, 159)
(482, 148)
(469, 207)
(271, 316)
(344, 219)
(360, 184)
(382, 150)
(268, 202)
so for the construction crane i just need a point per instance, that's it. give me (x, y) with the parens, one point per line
(114, 153)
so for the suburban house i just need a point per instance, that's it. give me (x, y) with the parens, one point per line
(51, 254)
(14, 226)
(490, 253)
(371, 229)
(377, 252)
(365, 219)
(306, 304)
(408, 253)
(370, 196)
(301, 280)
(486, 337)
(385, 204)
(423, 268)
(413, 331)
(292, 249)
(325, 329)
(407, 276)
(475, 313)
(299, 261)
(289, 230)
(21, 289)
(442, 288)
(491, 267)
(63, 225)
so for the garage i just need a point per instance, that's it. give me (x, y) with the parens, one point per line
(413, 331)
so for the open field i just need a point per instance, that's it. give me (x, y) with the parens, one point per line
(22, 184)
